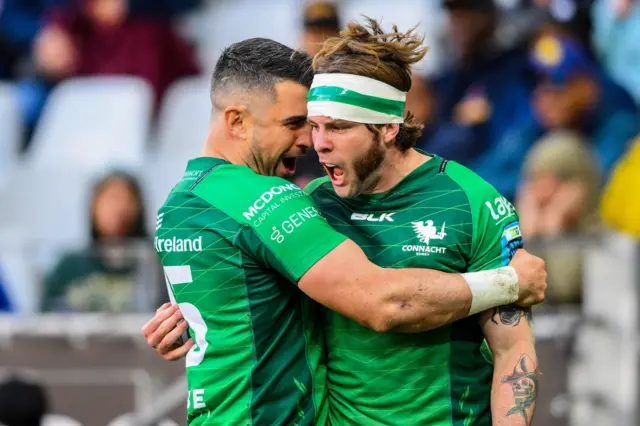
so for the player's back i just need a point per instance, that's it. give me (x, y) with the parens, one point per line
(434, 218)
(256, 359)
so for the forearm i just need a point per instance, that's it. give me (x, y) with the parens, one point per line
(403, 300)
(515, 386)
(424, 299)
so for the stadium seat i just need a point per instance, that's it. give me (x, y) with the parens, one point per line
(183, 121)
(59, 420)
(126, 420)
(182, 129)
(94, 123)
(10, 129)
(217, 26)
(17, 273)
(50, 207)
(157, 180)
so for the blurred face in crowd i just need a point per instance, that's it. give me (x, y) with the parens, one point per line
(564, 106)
(542, 186)
(278, 132)
(108, 13)
(116, 209)
(351, 154)
(470, 29)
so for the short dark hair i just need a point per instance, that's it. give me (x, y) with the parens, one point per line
(259, 64)
(22, 403)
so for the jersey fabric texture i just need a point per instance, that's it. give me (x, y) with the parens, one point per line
(441, 216)
(233, 244)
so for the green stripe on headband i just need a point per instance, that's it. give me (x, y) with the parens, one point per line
(346, 96)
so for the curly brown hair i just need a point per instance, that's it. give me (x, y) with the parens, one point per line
(368, 51)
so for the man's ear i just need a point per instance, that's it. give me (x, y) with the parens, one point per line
(390, 132)
(237, 121)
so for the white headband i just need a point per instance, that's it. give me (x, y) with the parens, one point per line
(355, 98)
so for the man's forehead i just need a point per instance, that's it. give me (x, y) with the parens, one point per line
(329, 120)
(291, 91)
(290, 102)
(291, 94)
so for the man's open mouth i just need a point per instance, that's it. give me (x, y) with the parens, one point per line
(336, 174)
(289, 164)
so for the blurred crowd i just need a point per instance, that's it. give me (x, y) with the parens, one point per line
(539, 97)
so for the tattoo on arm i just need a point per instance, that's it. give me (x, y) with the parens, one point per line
(510, 315)
(524, 383)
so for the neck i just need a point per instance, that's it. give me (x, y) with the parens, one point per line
(396, 166)
(220, 145)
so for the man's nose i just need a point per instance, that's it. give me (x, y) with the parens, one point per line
(320, 141)
(303, 140)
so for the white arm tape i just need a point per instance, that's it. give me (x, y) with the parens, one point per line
(492, 288)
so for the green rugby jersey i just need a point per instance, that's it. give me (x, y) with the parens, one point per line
(232, 244)
(441, 216)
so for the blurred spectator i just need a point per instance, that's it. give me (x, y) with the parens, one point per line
(101, 37)
(22, 403)
(106, 277)
(574, 16)
(616, 40)
(574, 93)
(482, 117)
(559, 197)
(321, 21)
(20, 22)
(621, 199)
(98, 37)
(560, 191)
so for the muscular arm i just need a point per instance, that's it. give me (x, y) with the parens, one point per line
(507, 330)
(386, 299)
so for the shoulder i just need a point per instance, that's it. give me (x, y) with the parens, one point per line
(250, 198)
(469, 181)
(232, 184)
(482, 196)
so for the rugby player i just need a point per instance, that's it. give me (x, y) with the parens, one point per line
(236, 239)
(408, 209)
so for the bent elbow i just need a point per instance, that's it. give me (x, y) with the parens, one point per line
(385, 318)
(402, 317)
(381, 325)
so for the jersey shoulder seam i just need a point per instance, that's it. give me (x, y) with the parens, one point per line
(217, 209)
(474, 231)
